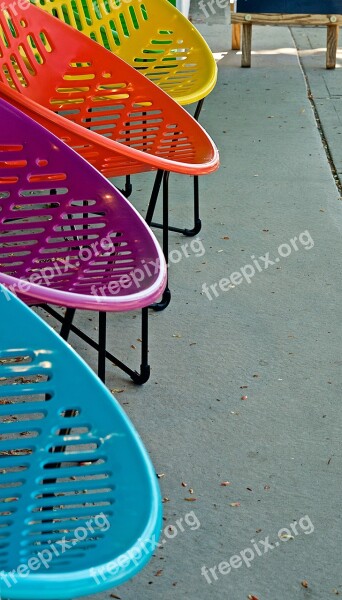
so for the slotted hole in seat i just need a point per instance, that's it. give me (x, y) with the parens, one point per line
(104, 37)
(3, 37)
(97, 8)
(114, 32)
(107, 6)
(10, 485)
(11, 147)
(80, 65)
(6, 234)
(8, 77)
(86, 13)
(77, 505)
(65, 12)
(34, 49)
(70, 413)
(74, 431)
(134, 17)
(16, 452)
(105, 108)
(72, 90)
(81, 448)
(7, 358)
(22, 397)
(113, 87)
(47, 177)
(79, 77)
(14, 469)
(10, 23)
(144, 12)
(75, 12)
(67, 464)
(80, 478)
(69, 493)
(22, 417)
(26, 60)
(60, 519)
(41, 218)
(30, 434)
(46, 43)
(124, 25)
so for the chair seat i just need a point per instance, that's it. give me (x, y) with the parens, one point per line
(67, 236)
(81, 509)
(112, 115)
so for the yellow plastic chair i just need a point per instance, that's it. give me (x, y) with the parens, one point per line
(157, 40)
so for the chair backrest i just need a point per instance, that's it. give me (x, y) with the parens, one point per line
(65, 231)
(142, 127)
(160, 43)
(80, 504)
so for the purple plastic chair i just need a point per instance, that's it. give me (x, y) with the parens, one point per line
(69, 238)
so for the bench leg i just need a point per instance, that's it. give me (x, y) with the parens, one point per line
(332, 44)
(246, 45)
(236, 36)
(236, 32)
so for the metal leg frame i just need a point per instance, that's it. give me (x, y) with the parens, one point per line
(68, 326)
(197, 221)
(166, 298)
(127, 191)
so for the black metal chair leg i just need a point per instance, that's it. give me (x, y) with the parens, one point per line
(127, 190)
(102, 346)
(166, 298)
(198, 109)
(154, 196)
(145, 369)
(197, 221)
(67, 322)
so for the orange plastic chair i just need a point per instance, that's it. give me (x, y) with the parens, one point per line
(160, 43)
(92, 92)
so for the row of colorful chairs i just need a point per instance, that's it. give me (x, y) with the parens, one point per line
(109, 113)
(76, 110)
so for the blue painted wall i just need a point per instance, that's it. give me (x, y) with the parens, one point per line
(290, 6)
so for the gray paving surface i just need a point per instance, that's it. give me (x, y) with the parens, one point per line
(279, 335)
(325, 87)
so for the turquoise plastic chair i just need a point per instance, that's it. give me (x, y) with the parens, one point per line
(80, 508)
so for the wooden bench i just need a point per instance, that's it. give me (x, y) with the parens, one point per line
(247, 20)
